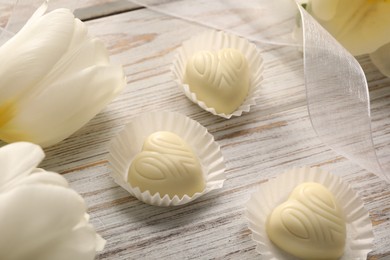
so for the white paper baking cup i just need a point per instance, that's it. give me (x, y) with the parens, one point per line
(128, 143)
(214, 41)
(276, 191)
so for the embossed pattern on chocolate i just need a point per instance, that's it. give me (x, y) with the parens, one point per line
(219, 79)
(309, 225)
(166, 165)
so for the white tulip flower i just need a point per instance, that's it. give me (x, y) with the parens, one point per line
(361, 26)
(54, 78)
(40, 216)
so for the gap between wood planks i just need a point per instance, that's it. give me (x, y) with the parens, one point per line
(106, 9)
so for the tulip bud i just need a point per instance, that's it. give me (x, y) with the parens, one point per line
(54, 78)
(40, 216)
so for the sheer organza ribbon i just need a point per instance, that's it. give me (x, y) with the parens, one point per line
(337, 92)
(336, 87)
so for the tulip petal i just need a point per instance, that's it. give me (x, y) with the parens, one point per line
(40, 176)
(371, 32)
(88, 53)
(381, 59)
(32, 52)
(17, 161)
(80, 34)
(63, 78)
(324, 9)
(80, 244)
(38, 13)
(43, 214)
(361, 26)
(72, 102)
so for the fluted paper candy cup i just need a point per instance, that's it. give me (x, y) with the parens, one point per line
(271, 194)
(214, 41)
(129, 143)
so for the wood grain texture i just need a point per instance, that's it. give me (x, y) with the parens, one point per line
(275, 136)
(88, 10)
(83, 4)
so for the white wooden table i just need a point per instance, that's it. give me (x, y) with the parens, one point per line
(275, 136)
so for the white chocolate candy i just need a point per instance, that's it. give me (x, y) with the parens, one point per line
(219, 79)
(166, 165)
(309, 225)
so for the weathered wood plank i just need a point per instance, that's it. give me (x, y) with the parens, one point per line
(88, 10)
(214, 226)
(275, 136)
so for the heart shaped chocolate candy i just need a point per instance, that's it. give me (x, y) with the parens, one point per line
(309, 225)
(166, 165)
(219, 79)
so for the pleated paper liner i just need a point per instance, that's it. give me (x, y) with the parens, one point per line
(276, 191)
(128, 143)
(214, 41)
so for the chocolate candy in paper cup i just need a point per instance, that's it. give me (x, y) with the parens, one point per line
(308, 211)
(220, 72)
(166, 159)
